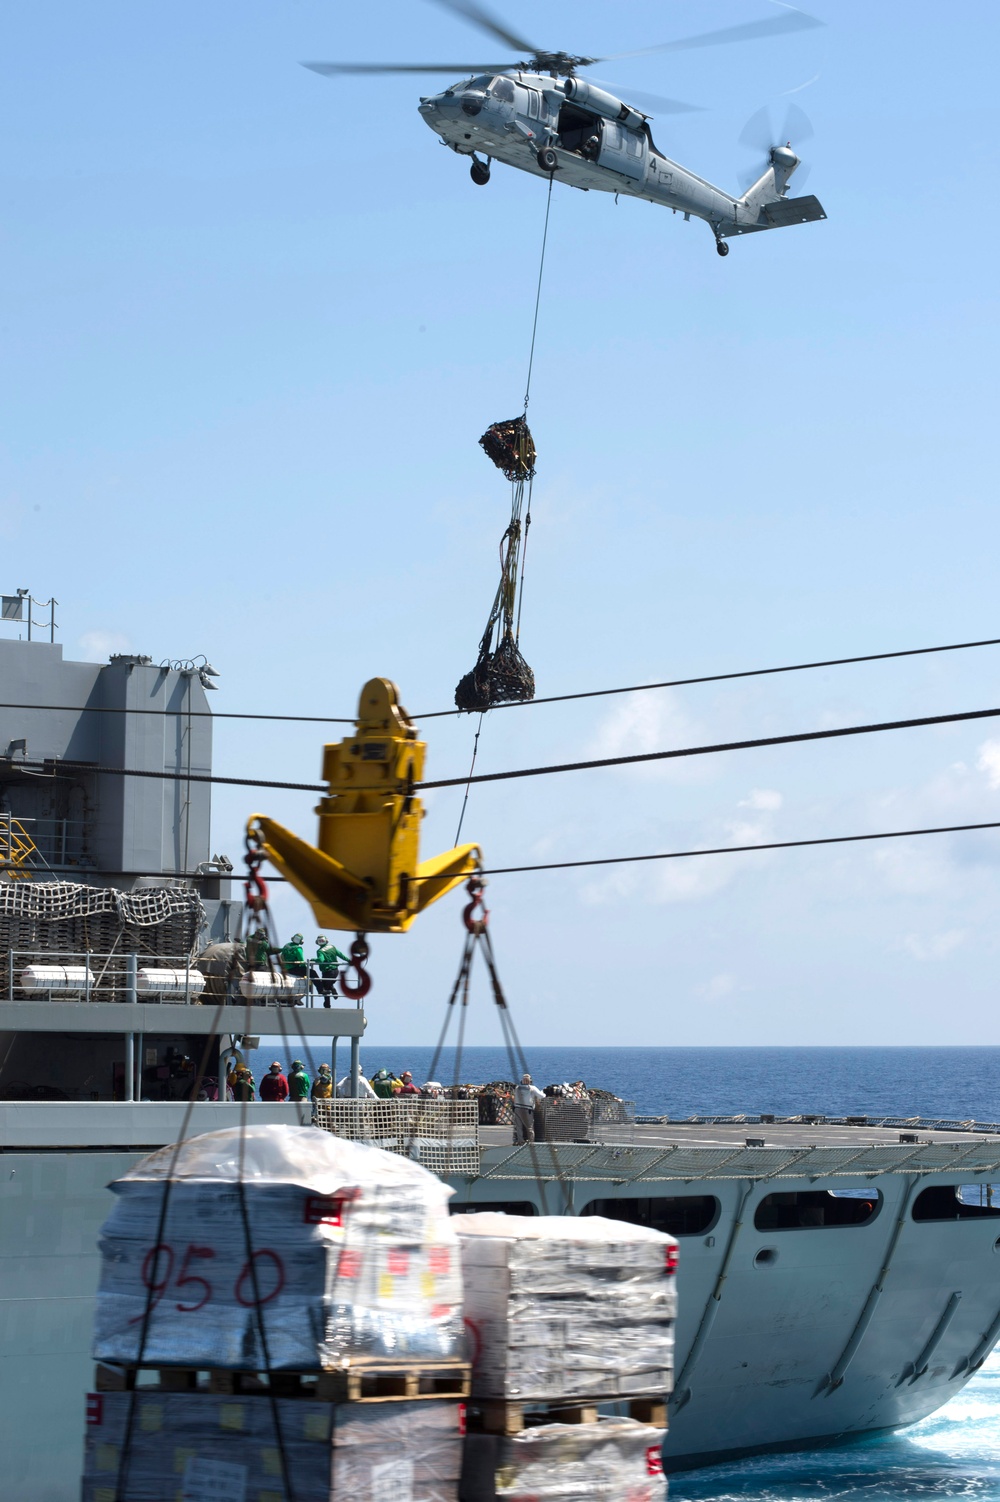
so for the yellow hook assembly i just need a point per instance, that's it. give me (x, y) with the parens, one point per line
(364, 874)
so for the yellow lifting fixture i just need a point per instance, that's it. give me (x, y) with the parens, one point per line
(364, 873)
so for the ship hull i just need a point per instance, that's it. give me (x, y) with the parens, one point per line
(755, 1350)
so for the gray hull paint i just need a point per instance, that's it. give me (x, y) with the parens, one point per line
(778, 1328)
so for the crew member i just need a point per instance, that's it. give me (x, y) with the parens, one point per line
(328, 961)
(322, 1088)
(274, 1086)
(293, 956)
(407, 1087)
(525, 1096)
(345, 1092)
(243, 1086)
(298, 1081)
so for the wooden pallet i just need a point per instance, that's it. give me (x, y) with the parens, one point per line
(361, 1382)
(511, 1416)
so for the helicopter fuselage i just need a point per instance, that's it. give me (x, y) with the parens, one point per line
(593, 141)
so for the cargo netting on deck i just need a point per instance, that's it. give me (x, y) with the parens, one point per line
(442, 1135)
(67, 916)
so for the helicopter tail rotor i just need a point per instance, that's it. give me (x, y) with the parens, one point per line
(764, 136)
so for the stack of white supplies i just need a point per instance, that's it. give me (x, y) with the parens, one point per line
(353, 1256)
(201, 1445)
(567, 1306)
(616, 1459)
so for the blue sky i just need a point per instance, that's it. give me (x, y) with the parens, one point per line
(254, 323)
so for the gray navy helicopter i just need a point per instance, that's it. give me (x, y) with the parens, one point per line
(540, 116)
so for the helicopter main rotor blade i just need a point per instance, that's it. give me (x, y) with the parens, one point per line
(655, 101)
(486, 21)
(334, 70)
(749, 31)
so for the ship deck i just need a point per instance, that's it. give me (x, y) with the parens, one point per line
(746, 1148)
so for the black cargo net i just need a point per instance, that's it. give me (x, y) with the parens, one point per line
(501, 675)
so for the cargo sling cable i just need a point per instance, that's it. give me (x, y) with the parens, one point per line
(501, 673)
(475, 920)
(438, 714)
(256, 906)
(52, 767)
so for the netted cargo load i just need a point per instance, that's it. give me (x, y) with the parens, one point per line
(200, 1446)
(614, 1459)
(511, 447)
(68, 916)
(567, 1307)
(353, 1258)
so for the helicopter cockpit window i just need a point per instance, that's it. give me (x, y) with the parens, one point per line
(503, 89)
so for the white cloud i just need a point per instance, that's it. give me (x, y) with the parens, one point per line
(718, 987)
(934, 946)
(766, 800)
(988, 761)
(653, 722)
(98, 646)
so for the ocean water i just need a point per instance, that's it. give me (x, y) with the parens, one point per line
(955, 1083)
(953, 1453)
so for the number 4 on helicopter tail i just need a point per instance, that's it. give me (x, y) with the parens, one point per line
(539, 116)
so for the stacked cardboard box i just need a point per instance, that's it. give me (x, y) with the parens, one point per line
(562, 1307)
(351, 1255)
(351, 1266)
(614, 1459)
(199, 1445)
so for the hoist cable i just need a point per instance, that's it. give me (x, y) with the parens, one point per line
(472, 768)
(593, 764)
(437, 714)
(125, 1454)
(618, 860)
(748, 745)
(538, 293)
(674, 855)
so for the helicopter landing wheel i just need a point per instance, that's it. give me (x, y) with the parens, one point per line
(547, 159)
(721, 247)
(480, 173)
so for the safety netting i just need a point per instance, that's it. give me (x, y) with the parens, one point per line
(67, 916)
(442, 1135)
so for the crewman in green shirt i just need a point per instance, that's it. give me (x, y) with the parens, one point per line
(293, 956)
(298, 1081)
(328, 961)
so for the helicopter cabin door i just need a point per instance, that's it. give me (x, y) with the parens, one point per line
(623, 150)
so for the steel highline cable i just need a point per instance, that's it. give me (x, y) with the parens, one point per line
(595, 693)
(617, 860)
(52, 767)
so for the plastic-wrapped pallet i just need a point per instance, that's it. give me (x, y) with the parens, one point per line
(567, 1307)
(199, 1446)
(615, 1459)
(354, 1256)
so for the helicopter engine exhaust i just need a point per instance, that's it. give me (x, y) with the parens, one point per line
(590, 97)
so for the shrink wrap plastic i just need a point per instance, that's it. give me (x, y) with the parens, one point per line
(354, 1254)
(614, 1459)
(565, 1307)
(192, 1447)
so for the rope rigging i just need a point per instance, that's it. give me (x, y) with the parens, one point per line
(438, 714)
(501, 675)
(475, 920)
